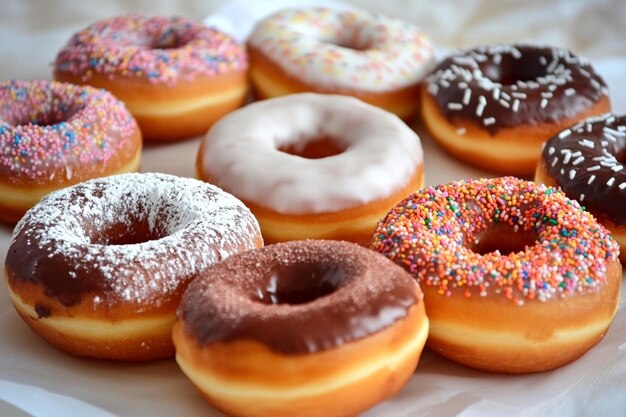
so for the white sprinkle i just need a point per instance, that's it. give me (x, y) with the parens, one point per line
(617, 168)
(433, 89)
(497, 58)
(586, 143)
(570, 92)
(591, 178)
(584, 72)
(622, 186)
(589, 127)
(551, 150)
(610, 181)
(543, 60)
(572, 174)
(489, 121)
(594, 168)
(482, 102)
(516, 105)
(544, 103)
(503, 103)
(546, 94)
(466, 96)
(455, 106)
(582, 197)
(578, 160)
(607, 129)
(519, 95)
(565, 134)
(496, 93)
(461, 131)
(568, 155)
(554, 161)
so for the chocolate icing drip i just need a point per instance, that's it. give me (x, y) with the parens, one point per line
(332, 293)
(500, 86)
(586, 161)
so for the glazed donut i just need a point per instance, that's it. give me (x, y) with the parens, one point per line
(175, 75)
(494, 106)
(516, 277)
(585, 162)
(378, 59)
(313, 166)
(53, 135)
(307, 328)
(98, 269)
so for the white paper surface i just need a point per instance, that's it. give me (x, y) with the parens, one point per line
(38, 380)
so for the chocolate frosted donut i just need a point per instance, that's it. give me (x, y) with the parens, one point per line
(98, 269)
(586, 161)
(302, 323)
(514, 97)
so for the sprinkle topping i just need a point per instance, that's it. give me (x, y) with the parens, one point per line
(353, 49)
(599, 144)
(48, 130)
(500, 86)
(162, 50)
(432, 231)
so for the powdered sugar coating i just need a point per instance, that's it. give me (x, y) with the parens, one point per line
(50, 130)
(161, 49)
(240, 153)
(193, 225)
(308, 44)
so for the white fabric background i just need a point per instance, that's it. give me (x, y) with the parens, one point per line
(37, 380)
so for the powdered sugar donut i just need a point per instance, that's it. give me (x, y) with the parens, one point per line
(176, 75)
(376, 58)
(313, 166)
(98, 269)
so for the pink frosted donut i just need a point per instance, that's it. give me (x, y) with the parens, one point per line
(176, 75)
(55, 134)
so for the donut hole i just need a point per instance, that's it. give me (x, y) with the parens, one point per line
(299, 284)
(125, 233)
(503, 238)
(353, 36)
(511, 70)
(314, 149)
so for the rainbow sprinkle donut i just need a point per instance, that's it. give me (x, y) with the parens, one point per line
(55, 134)
(355, 52)
(176, 75)
(516, 276)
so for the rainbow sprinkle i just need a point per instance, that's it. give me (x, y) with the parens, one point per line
(47, 127)
(350, 49)
(428, 234)
(162, 50)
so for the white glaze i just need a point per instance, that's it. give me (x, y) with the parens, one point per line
(201, 225)
(240, 153)
(305, 43)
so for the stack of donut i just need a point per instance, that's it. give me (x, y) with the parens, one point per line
(516, 277)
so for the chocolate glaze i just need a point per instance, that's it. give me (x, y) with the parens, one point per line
(132, 239)
(587, 160)
(332, 293)
(521, 85)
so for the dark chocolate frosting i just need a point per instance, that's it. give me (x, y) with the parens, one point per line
(501, 86)
(586, 161)
(298, 297)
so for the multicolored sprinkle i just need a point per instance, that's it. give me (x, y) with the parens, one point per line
(162, 50)
(48, 127)
(430, 234)
(353, 49)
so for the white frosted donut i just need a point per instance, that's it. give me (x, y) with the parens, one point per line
(243, 154)
(354, 52)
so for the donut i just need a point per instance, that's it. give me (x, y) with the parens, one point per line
(494, 106)
(378, 59)
(585, 161)
(305, 328)
(98, 269)
(517, 278)
(313, 166)
(175, 75)
(53, 135)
